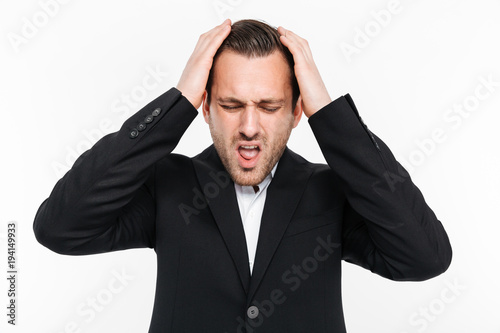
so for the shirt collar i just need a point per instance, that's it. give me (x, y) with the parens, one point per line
(269, 177)
(263, 184)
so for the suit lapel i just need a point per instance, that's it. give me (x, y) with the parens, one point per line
(283, 195)
(224, 208)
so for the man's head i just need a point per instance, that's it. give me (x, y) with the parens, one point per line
(253, 39)
(251, 101)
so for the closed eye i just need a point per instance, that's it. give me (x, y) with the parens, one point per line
(270, 109)
(228, 107)
(235, 107)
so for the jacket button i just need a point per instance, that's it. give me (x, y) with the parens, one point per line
(134, 133)
(156, 112)
(252, 312)
(141, 127)
(148, 119)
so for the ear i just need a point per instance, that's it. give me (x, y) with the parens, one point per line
(205, 107)
(297, 112)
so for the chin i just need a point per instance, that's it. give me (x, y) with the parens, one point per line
(247, 177)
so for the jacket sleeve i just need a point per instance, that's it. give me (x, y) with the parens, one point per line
(105, 202)
(388, 228)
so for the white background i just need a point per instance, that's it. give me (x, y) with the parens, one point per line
(62, 86)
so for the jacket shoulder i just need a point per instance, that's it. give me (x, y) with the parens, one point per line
(316, 168)
(321, 173)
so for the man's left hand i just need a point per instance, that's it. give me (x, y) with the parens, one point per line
(312, 89)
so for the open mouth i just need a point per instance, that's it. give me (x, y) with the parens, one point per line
(248, 155)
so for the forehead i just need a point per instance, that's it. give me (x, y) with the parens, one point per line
(255, 78)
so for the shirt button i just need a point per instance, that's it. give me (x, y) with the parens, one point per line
(252, 312)
(134, 133)
(148, 119)
(156, 112)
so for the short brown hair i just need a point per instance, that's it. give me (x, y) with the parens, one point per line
(254, 38)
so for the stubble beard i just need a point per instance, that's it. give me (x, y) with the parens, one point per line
(271, 153)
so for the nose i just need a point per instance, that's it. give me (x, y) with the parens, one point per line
(249, 122)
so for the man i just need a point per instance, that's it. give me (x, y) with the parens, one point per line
(249, 236)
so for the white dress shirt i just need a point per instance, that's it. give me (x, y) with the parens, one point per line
(251, 203)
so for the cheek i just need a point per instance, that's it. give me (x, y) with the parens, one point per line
(224, 124)
(277, 127)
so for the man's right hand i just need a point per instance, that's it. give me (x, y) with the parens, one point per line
(194, 78)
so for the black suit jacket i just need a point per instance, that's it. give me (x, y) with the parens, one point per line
(130, 191)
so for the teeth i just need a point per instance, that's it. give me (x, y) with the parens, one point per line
(249, 147)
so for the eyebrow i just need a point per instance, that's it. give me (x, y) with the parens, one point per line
(262, 101)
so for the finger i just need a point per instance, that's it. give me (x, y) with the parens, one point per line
(291, 35)
(283, 37)
(297, 50)
(302, 55)
(282, 31)
(293, 38)
(211, 41)
(218, 29)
